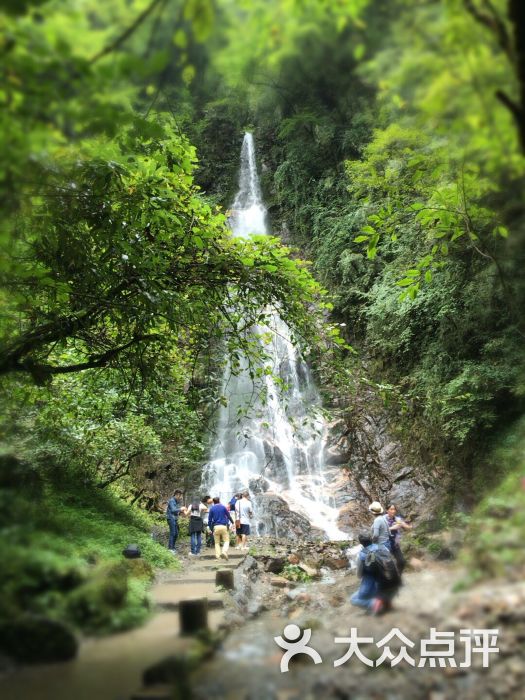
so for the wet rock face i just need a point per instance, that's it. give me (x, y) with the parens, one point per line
(276, 464)
(274, 516)
(259, 485)
(364, 464)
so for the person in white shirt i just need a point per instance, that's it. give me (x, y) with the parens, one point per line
(243, 515)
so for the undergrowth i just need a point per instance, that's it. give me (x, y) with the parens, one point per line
(63, 543)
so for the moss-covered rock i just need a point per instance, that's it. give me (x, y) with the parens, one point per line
(139, 568)
(91, 604)
(33, 639)
(495, 537)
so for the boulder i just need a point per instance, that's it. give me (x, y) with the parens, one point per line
(310, 570)
(340, 562)
(275, 566)
(279, 582)
(336, 455)
(259, 485)
(278, 518)
(34, 639)
(415, 564)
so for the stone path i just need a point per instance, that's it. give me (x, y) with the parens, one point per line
(196, 580)
(111, 667)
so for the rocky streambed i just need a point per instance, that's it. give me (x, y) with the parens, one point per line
(266, 601)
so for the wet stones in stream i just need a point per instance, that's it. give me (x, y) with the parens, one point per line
(251, 657)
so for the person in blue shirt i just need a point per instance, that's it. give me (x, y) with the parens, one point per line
(173, 511)
(233, 501)
(365, 596)
(219, 519)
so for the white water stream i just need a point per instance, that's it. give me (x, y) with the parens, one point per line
(278, 446)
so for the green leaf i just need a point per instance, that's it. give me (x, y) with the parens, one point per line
(502, 231)
(407, 281)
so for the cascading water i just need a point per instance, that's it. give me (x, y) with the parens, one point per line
(277, 447)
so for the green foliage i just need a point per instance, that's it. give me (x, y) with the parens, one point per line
(391, 161)
(294, 573)
(120, 283)
(494, 544)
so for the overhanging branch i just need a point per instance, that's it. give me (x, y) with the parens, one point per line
(128, 32)
(42, 371)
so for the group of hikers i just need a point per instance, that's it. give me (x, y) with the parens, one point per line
(213, 519)
(380, 562)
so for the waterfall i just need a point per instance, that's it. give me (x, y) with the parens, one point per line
(276, 448)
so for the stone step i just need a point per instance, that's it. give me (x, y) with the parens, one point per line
(214, 603)
(182, 590)
(158, 692)
(231, 555)
(208, 578)
(218, 565)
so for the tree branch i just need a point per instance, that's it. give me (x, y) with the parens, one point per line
(122, 471)
(492, 21)
(40, 371)
(127, 33)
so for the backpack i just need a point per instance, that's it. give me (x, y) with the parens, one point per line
(382, 566)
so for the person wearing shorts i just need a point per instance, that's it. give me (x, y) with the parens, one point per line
(243, 513)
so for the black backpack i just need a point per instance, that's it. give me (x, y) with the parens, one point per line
(382, 566)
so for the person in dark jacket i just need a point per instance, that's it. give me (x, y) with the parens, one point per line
(365, 596)
(173, 511)
(208, 502)
(219, 519)
(196, 511)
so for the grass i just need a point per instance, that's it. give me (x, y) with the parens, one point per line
(63, 542)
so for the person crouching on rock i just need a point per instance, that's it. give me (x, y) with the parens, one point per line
(381, 579)
(218, 520)
(365, 596)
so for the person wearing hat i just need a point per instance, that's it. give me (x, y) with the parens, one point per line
(380, 532)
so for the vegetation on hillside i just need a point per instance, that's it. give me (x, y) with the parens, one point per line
(392, 156)
(391, 142)
(120, 281)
